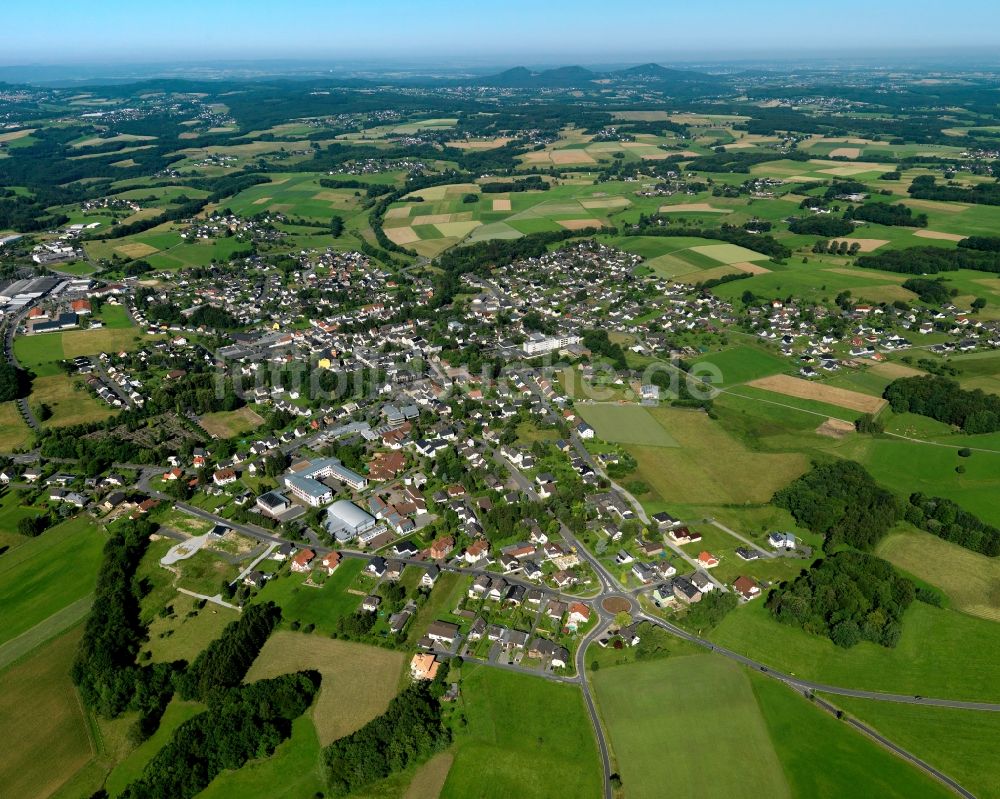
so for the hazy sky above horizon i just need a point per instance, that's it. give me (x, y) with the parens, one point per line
(513, 31)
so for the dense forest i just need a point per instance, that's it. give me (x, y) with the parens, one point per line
(949, 521)
(849, 597)
(825, 225)
(945, 400)
(842, 502)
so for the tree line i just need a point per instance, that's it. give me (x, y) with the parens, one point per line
(945, 400)
(926, 187)
(931, 260)
(948, 520)
(105, 670)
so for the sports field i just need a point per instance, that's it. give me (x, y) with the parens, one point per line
(664, 716)
(525, 737)
(358, 680)
(625, 424)
(971, 580)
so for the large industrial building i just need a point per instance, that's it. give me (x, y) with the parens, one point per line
(346, 521)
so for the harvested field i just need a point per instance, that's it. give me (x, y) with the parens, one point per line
(45, 734)
(429, 778)
(803, 389)
(845, 171)
(17, 134)
(835, 428)
(367, 675)
(866, 245)
(750, 269)
(866, 273)
(135, 250)
(936, 234)
(402, 235)
(400, 212)
(894, 370)
(261, 200)
(692, 207)
(580, 224)
(846, 152)
(501, 204)
(571, 157)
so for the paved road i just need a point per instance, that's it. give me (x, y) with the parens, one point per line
(588, 698)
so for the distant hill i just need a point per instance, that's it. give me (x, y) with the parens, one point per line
(524, 78)
(572, 77)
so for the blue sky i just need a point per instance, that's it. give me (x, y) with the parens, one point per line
(503, 32)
